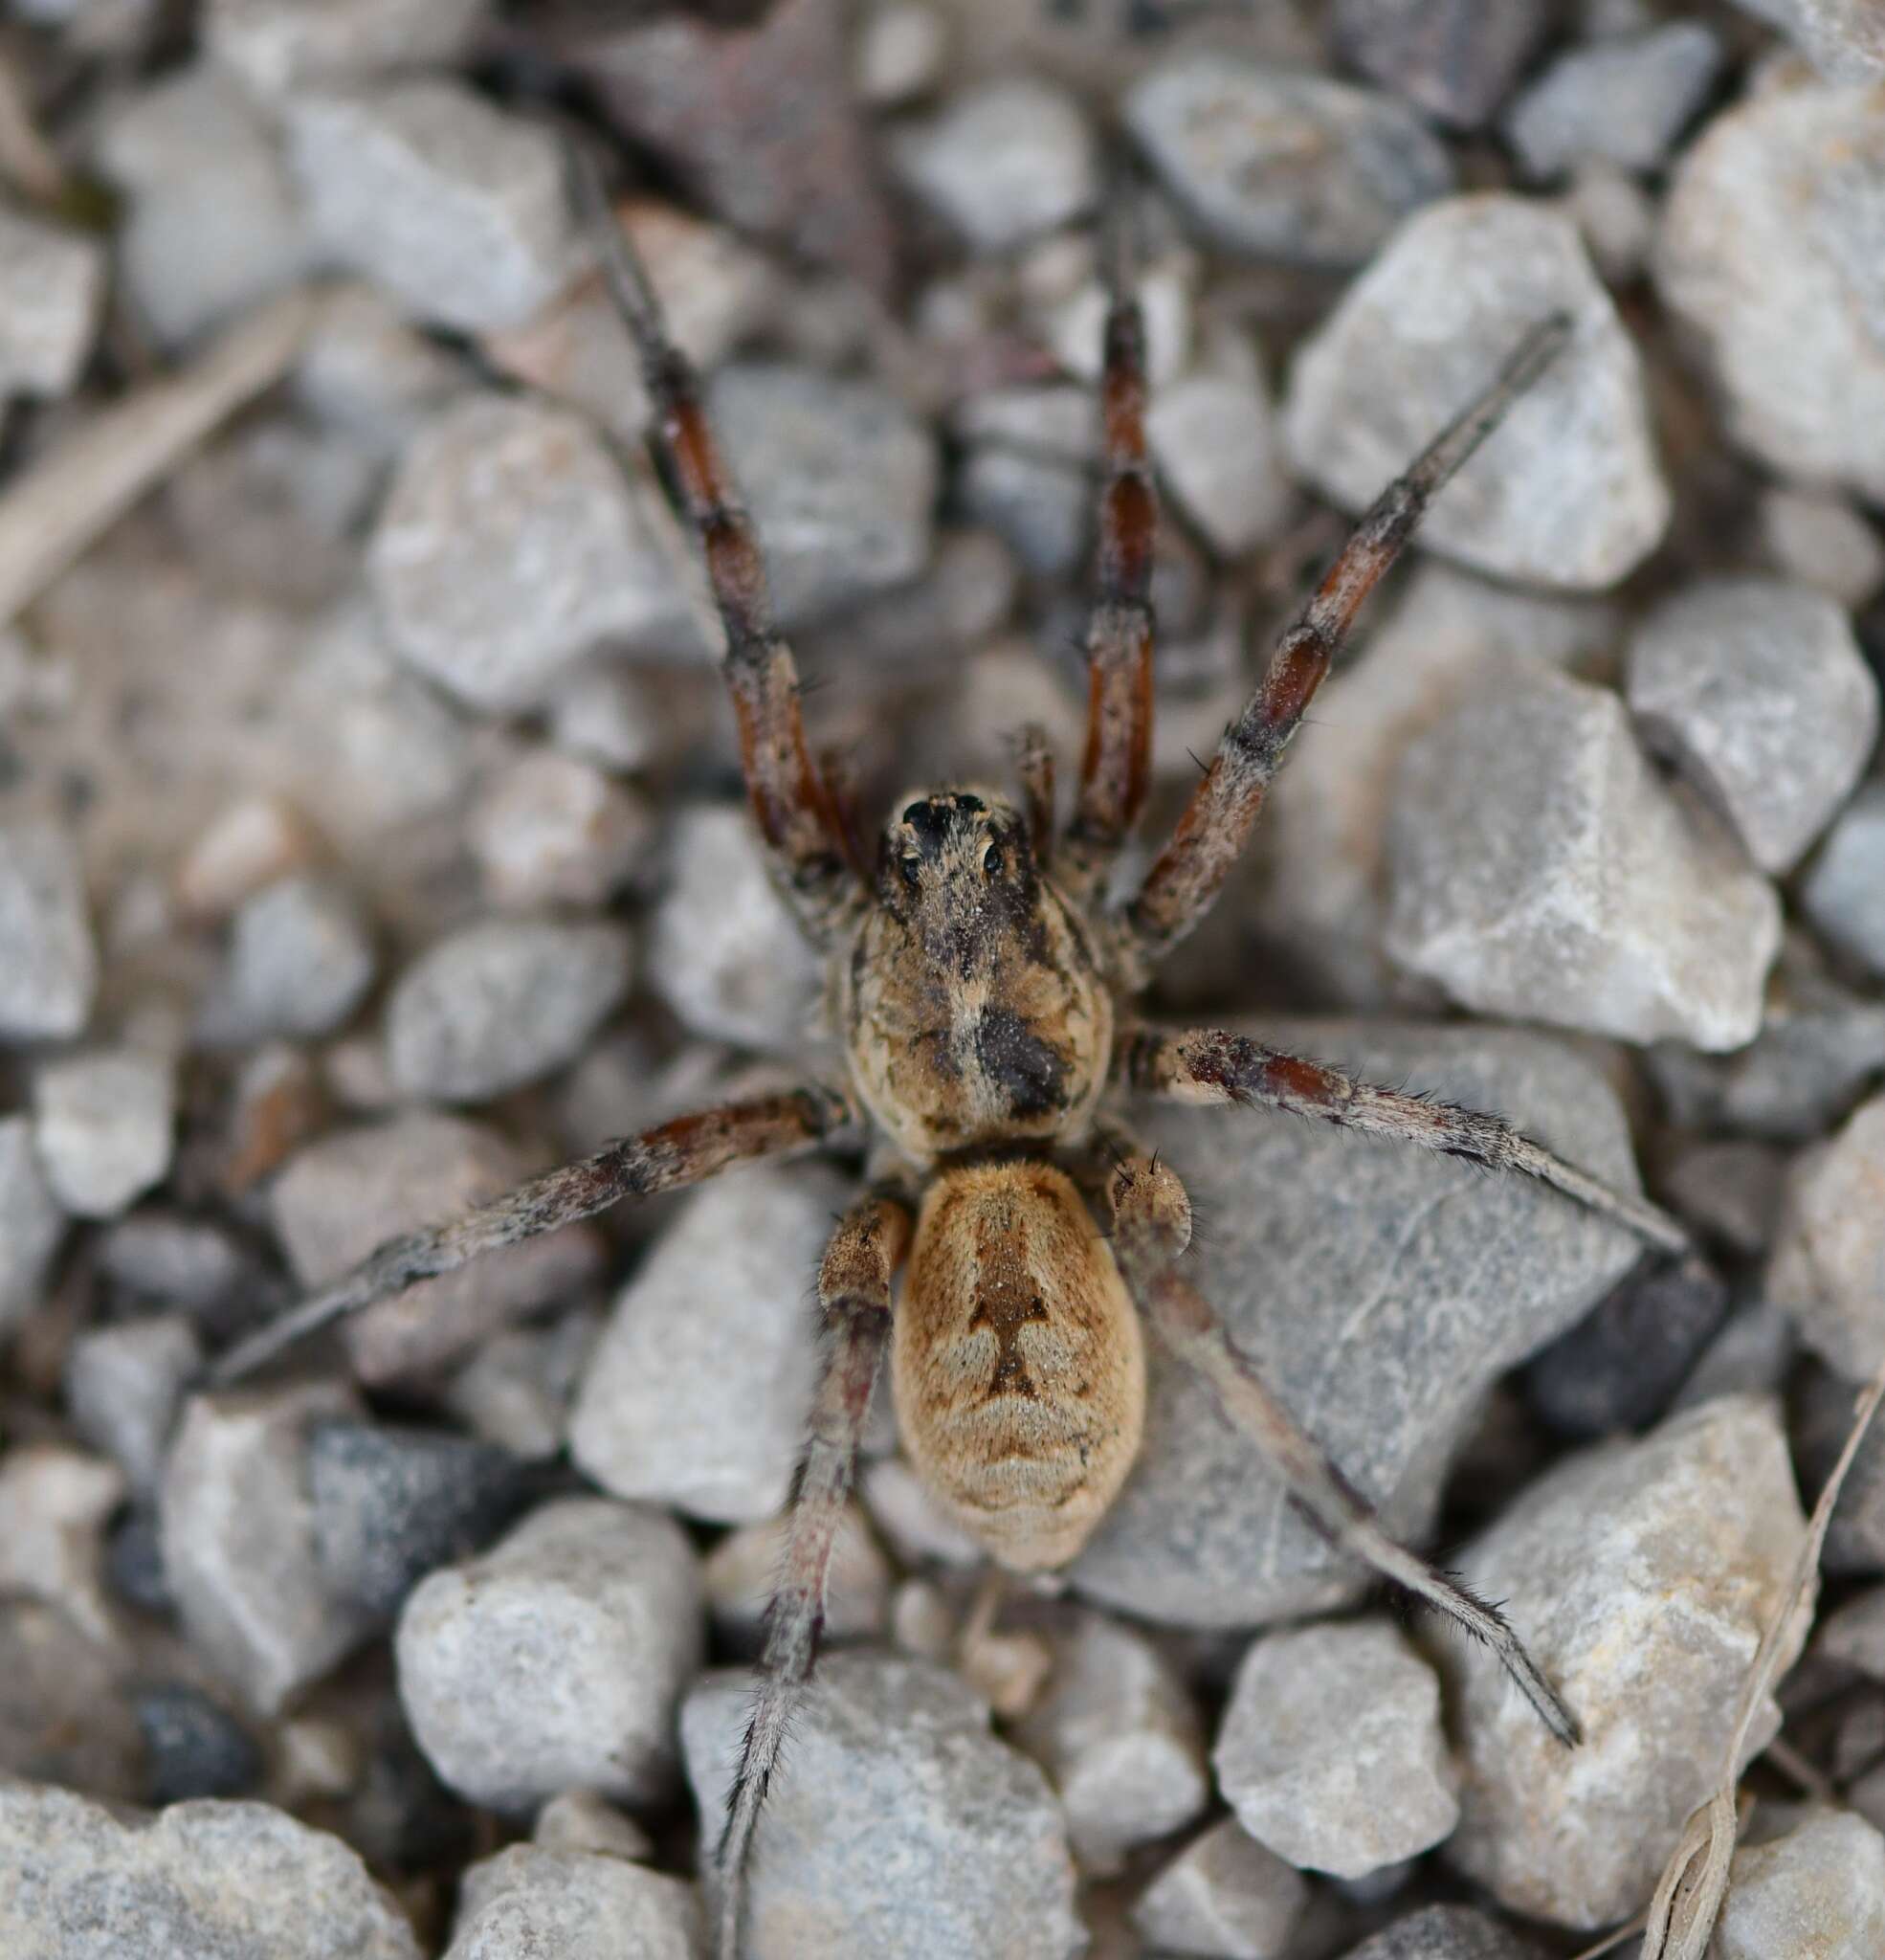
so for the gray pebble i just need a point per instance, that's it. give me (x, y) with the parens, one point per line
(1765, 258)
(51, 288)
(1821, 540)
(723, 952)
(1853, 1635)
(212, 226)
(1688, 1540)
(1730, 1190)
(342, 1196)
(554, 829)
(239, 1550)
(1845, 38)
(1223, 1897)
(32, 1223)
(160, 1255)
(1446, 1932)
(1818, 1890)
(555, 1659)
(698, 1391)
(580, 1822)
(1568, 493)
(367, 374)
(63, 1719)
(277, 45)
(1456, 60)
(1039, 507)
(1538, 868)
(300, 960)
(1624, 101)
(511, 543)
(1842, 894)
(234, 1878)
(55, 1501)
(123, 1385)
(449, 206)
(1381, 1290)
(840, 478)
(1331, 1751)
(1616, 219)
(392, 1502)
(1006, 160)
(503, 1002)
(967, 1852)
(49, 965)
(529, 1903)
(1118, 1734)
(195, 1747)
(1757, 690)
(514, 1390)
(1828, 1268)
(1213, 434)
(101, 1122)
(1281, 164)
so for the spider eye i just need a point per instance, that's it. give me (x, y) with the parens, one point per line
(991, 862)
(911, 868)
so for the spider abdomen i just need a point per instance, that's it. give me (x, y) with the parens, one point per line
(1018, 1361)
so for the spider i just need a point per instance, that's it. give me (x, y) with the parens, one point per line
(983, 971)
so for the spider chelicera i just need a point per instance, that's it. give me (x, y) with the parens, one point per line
(982, 972)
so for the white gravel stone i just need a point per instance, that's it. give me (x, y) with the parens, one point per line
(32, 1223)
(555, 830)
(698, 1391)
(103, 1123)
(723, 952)
(1623, 100)
(1006, 160)
(840, 477)
(1331, 1751)
(1537, 868)
(1760, 693)
(367, 373)
(239, 1880)
(1120, 1741)
(51, 288)
(343, 1194)
(742, 1574)
(1843, 893)
(1766, 260)
(49, 965)
(1213, 436)
(1447, 1932)
(1568, 493)
(1025, 473)
(1615, 217)
(503, 1002)
(237, 1520)
(1641, 1575)
(54, 1503)
(213, 226)
(452, 207)
(251, 842)
(966, 1850)
(1828, 1265)
(580, 1822)
(1818, 1890)
(528, 1904)
(556, 1658)
(1823, 541)
(1223, 1897)
(901, 50)
(300, 960)
(124, 1383)
(1283, 165)
(1845, 38)
(512, 543)
(278, 45)
(1456, 60)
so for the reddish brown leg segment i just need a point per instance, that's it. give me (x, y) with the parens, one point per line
(854, 1292)
(796, 815)
(1115, 770)
(1189, 873)
(685, 1150)
(1205, 1065)
(1151, 1228)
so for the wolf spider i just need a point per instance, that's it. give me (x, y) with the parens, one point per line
(982, 976)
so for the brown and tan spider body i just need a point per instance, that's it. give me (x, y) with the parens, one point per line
(981, 981)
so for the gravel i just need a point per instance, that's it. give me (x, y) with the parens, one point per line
(124, 1385)
(1224, 1895)
(300, 960)
(1842, 894)
(741, 1574)
(1821, 542)
(1620, 101)
(103, 1125)
(1822, 1881)
(555, 1660)
(1213, 438)
(1759, 691)
(554, 829)
(49, 963)
(1331, 1751)
(280, 46)
(1216, 131)
(194, 1746)
(1843, 38)
(1828, 1268)
(32, 1223)
(967, 1852)
(528, 1904)
(1446, 1932)
(51, 293)
(1538, 867)
(1569, 493)
(1456, 60)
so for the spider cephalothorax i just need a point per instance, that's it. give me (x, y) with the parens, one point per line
(981, 981)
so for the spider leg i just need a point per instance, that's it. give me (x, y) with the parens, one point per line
(684, 1150)
(1189, 873)
(1208, 1065)
(1116, 768)
(1034, 761)
(1151, 1228)
(854, 1292)
(798, 818)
